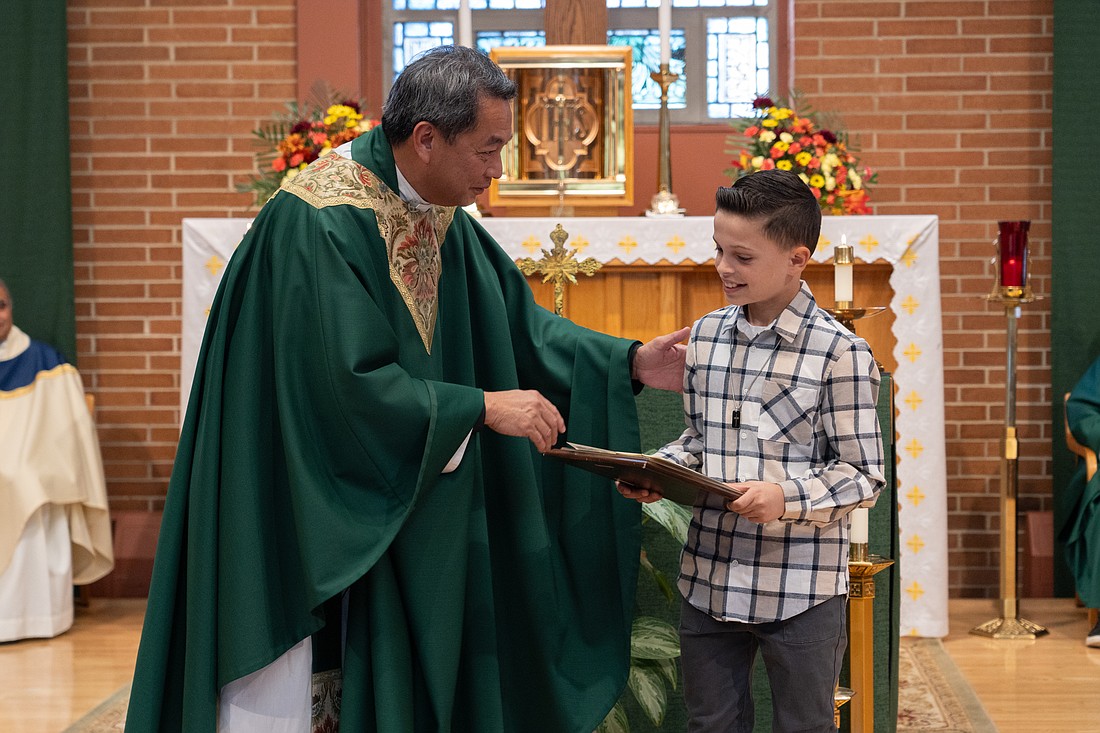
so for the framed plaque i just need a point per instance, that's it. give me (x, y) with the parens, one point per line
(573, 138)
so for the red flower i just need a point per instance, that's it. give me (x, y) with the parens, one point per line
(762, 103)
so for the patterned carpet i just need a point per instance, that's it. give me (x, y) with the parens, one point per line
(108, 717)
(933, 696)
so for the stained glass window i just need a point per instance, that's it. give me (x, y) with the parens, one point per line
(721, 49)
(737, 65)
(647, 59)
(413, 38)
(487, 40)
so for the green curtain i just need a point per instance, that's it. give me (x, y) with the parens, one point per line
(36, 246)
(1075, 329)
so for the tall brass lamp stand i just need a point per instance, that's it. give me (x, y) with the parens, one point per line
(1012, 291)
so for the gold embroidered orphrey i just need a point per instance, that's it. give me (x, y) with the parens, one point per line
(412, 237)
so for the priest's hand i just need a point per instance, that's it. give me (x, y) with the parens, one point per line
(660, 363)
(762, 502)
(524, 413)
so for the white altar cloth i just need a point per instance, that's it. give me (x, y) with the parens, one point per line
(910, 244)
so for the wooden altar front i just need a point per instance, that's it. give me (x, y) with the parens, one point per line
(657, 277)
(640, 301)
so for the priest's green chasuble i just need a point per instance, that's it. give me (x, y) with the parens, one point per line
(343, 365)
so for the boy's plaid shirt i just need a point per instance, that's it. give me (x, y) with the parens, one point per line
(806, 390)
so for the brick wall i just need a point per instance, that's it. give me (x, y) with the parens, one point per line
(163, 99)
(951, 100)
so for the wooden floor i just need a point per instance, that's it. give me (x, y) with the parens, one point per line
(1046, 685)
(1042, 686)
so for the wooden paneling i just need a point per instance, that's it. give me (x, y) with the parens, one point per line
(643, 301)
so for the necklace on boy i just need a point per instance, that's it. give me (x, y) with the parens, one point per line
(735, 417)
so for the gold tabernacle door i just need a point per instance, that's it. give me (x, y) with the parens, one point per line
(573, 136)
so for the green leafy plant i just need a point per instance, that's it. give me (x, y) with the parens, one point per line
(654, 644)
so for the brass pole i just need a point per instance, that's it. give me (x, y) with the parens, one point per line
(1009, 625)
(665, 202)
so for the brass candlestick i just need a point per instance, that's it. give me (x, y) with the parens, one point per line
(861, 638)
(665, 202)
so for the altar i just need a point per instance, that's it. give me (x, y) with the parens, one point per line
(657, 276)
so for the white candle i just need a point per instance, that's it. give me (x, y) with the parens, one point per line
(465, 24)
(842, 272)
(859, 526)
(664, 26)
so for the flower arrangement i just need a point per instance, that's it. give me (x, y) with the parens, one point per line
(300, 136)
(780, 136)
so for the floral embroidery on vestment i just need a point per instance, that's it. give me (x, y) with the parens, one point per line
(412, 237)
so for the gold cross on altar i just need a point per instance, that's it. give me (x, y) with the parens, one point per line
(558, 266)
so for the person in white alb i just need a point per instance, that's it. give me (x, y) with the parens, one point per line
(54, 526)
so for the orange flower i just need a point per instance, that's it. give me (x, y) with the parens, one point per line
(779, 134)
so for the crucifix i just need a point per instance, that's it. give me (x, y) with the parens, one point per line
(558, 266)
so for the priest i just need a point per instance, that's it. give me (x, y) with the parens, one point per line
(54, 527)
(1080, 529)
(359, 519)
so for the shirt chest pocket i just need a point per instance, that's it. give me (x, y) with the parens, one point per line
(787, 413)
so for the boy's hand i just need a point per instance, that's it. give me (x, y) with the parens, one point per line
(644, 496)
(660, 363)
(761, 503)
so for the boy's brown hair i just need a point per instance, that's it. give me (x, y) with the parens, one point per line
(787, 206)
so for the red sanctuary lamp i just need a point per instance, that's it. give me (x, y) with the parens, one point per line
(1011, 261)
(1010, 291)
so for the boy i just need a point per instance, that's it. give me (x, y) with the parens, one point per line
(780, 403)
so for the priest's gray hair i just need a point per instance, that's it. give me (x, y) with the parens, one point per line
(443, 86)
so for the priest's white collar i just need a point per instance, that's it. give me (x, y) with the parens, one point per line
(15, 344)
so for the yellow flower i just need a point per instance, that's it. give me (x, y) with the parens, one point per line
(805, 179)
(781, 146)
(770, 123)
(817, 180)
(758, 161)
(780, 113)
(857, 182)
(784, 165)
(767, 136)
(830, 183)
(803, 158)
(338, 111)
(786, 137)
